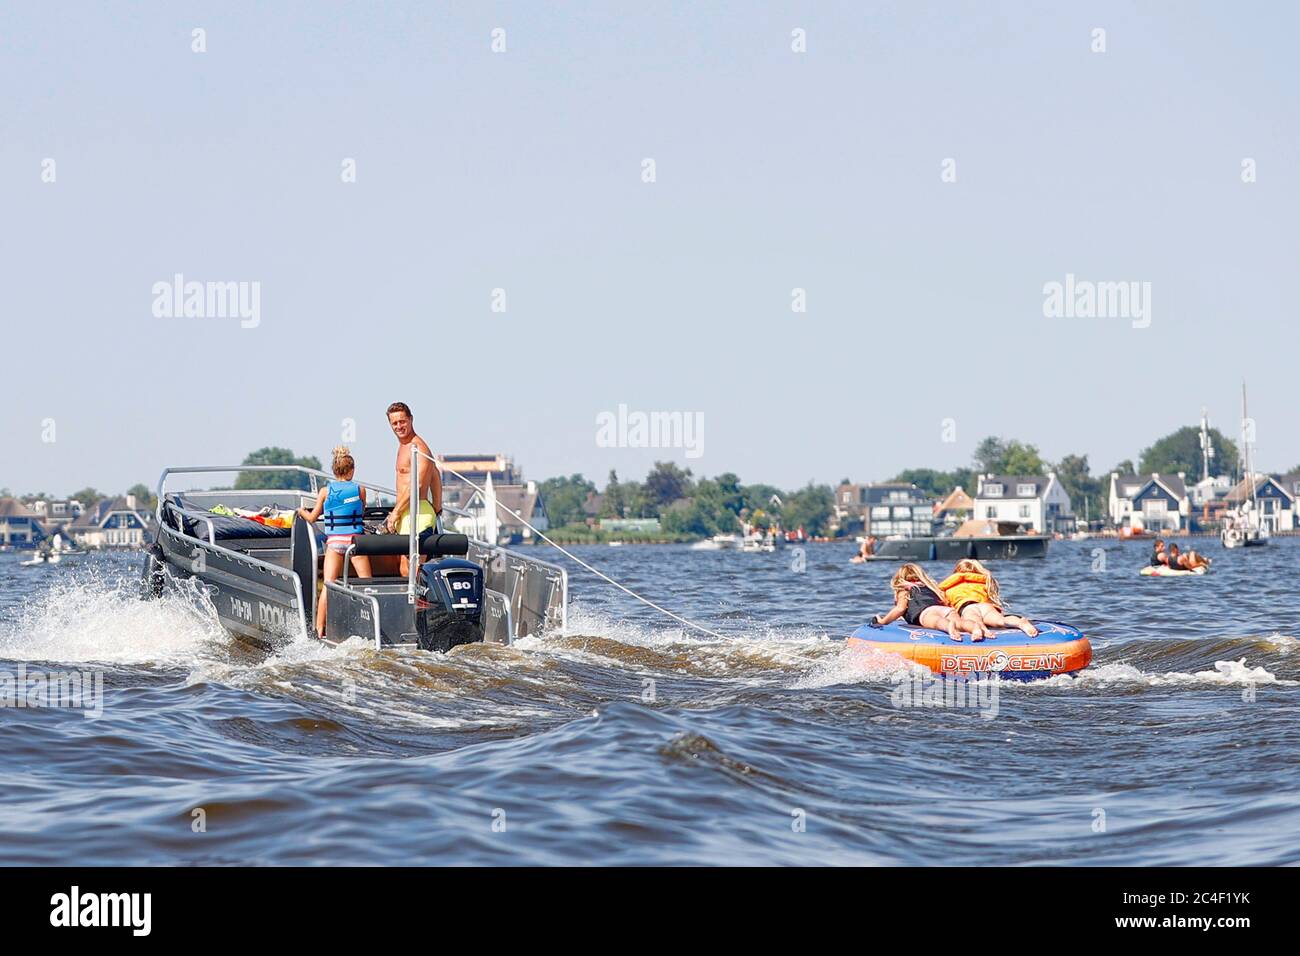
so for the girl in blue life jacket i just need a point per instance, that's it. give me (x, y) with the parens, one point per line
(341, 504)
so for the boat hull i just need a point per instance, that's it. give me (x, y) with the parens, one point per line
(982, 548)
(257, 594)
(252, 598)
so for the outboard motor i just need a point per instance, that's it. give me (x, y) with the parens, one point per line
(449, 604)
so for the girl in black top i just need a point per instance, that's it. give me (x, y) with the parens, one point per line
(919, 602)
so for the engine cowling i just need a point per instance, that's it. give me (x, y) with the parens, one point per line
(449, 604)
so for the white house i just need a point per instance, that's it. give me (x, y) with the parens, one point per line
(1151, 502)
(1208, 491)
(118, 522)
(1273, 497)
(1036, 501)
(887, 509)
(57, 511)
(525, 500)
(20, 526)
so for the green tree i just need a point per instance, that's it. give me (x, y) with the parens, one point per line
(758, 496)
(937, 483)
(1087, 494)
(275, 479)
(686, 516)
(564, 498)
(1024, 460)
(809, 508)
(614, 502)
(88, 497)
(998, 457)
(143, 496)
(665, 484)
(1181, 451)
(636, 503)
(989, 455)
(929, 480)
(707, 512)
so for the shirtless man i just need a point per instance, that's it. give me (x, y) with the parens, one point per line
(1186, 561)
(867, 550)
(402, 422)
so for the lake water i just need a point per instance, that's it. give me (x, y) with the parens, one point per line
(632, 740)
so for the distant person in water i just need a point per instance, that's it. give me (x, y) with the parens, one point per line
(919, 602)
(1186, 561)
(867, 550)
(341, 504)
(1159, 556)
(973, 591)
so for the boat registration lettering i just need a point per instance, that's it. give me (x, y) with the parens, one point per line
(241, 609)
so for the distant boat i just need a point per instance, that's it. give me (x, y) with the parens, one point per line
(1243, 526)
(983, 540)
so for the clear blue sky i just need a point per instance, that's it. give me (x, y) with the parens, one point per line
(522, 170)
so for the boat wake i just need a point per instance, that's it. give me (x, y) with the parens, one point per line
(96, 617)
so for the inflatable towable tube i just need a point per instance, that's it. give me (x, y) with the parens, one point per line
(1007, 652)
(1162, 571)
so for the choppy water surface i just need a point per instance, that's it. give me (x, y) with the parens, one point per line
(630, 740)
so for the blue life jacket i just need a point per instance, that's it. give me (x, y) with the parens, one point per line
(343, 508)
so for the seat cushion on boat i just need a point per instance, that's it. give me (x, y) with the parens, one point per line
(445, 544)
(223, 526)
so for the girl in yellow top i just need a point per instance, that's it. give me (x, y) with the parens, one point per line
(973, 591)
(918, 601)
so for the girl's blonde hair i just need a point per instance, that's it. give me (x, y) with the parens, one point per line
(343, 463)
(910, 574)
(972, 566)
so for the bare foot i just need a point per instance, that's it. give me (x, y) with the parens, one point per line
(954, 633)
(1028, 628)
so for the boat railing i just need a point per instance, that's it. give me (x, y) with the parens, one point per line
(315, 474)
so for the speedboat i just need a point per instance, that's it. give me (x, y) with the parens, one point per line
(984, 540)
(758, 544)
(262, 578)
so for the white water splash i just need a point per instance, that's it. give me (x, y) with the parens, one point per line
(858, 665)
(90, 618)
(1225, 673)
